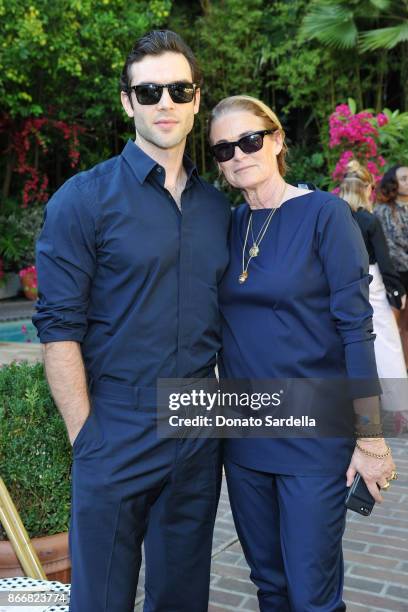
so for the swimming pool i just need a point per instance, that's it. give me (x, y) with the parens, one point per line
(18, 331)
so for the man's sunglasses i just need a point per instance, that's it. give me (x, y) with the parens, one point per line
(224, 151)
(150, 93)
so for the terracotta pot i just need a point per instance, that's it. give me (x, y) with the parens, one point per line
(29, 285)
(52, 552)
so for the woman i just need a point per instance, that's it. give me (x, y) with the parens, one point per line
(392, 211)
(386, 292)
(295, 305)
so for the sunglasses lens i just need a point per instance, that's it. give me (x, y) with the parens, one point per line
(148, 94)
(251, 143)
(181, 93)
(223, 151)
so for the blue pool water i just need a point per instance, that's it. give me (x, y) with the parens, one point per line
(18, 331)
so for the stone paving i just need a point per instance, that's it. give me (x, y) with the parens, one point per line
(375, 553)
(16, 308)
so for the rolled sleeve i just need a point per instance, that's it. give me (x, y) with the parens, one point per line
(345, 261)
(65, 261)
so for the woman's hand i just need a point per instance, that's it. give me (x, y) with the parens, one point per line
(374, 471)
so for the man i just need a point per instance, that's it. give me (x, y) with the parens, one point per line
(129, 260)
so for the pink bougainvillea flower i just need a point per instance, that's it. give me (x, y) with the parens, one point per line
(382, 119)
(356, 136)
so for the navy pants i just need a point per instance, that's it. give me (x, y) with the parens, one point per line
(290, 528)
(129, 486)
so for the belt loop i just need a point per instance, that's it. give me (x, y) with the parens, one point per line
(136, 393)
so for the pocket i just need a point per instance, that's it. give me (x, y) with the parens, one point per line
(88, 436)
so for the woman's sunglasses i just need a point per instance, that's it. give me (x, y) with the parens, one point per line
(224, 151)
(150, 93)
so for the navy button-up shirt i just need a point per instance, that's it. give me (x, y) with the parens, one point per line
(123, 272)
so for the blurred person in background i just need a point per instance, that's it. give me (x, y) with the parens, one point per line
(386, 292)
(392, 211)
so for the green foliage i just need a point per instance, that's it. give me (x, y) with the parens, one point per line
(35, 455)
(19, 230)
(349, 23)
(300, 73)
(384, 38)
(69, 53)
(306, 165)
(332, 24)
(224, 41)
(63, 60)
(393, 138)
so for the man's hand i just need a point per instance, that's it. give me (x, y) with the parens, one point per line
(73, 433)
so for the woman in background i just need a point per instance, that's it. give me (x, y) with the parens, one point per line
(392, 211)
(386, 291)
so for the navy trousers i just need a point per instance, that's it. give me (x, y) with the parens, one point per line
(128, 486)
(290, 528)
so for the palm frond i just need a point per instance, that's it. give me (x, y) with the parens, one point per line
(384, 38)
(332, 25)
(381, 5)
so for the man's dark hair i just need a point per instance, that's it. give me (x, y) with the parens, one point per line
(158, 42)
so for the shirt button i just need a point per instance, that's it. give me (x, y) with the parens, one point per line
(159, 169)
(395, 292)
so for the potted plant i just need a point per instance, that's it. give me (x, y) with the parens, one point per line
(28, 278)
(35, 464)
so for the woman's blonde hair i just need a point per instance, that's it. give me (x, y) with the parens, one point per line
(259, 109)
(353, 187)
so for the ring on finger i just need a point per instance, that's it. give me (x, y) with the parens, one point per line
(394, 475)
(386, 486)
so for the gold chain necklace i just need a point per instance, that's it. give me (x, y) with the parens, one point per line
(254, 250)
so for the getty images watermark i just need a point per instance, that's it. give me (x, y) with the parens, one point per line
(208, 408)
(201, 399)
(295, 407)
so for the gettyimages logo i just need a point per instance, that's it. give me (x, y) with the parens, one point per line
(209, 401)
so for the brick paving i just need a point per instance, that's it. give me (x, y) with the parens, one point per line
(375, 553)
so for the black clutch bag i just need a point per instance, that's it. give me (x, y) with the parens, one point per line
(394, 299)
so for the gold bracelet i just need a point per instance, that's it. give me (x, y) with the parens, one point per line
(371, 436)
(370, 454)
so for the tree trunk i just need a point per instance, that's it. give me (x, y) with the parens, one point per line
(382, 66)
(205, 6)
(332, 91)
(36, 155)
(404, 76)
(359, 91)
(5, 190)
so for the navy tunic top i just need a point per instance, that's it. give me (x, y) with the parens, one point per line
(303, 312)
(127, 275)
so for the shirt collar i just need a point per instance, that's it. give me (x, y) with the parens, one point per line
(142, 165)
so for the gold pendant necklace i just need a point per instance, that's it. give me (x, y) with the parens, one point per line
(254, 250)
